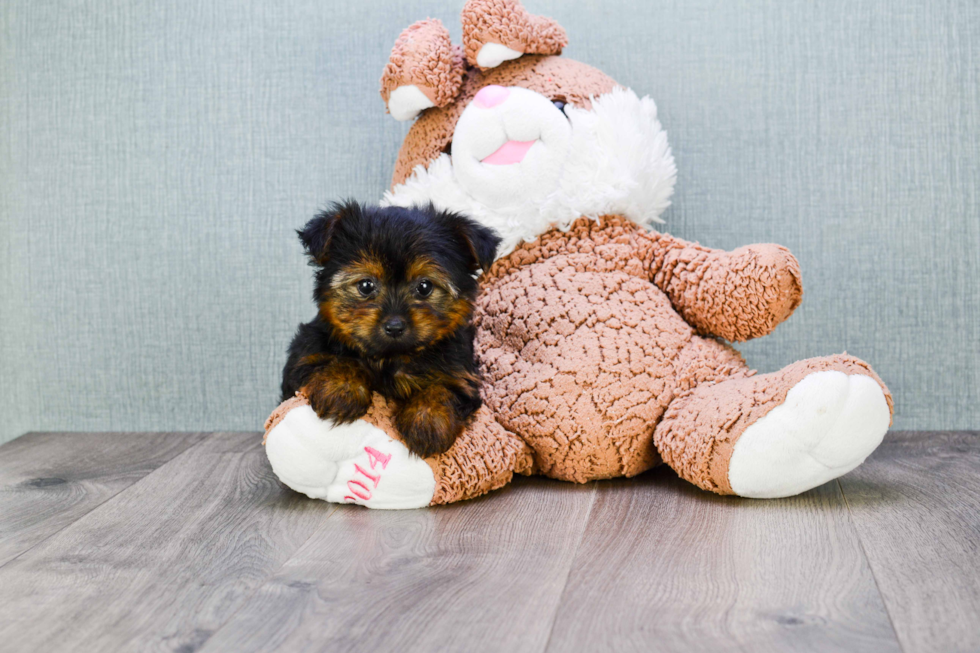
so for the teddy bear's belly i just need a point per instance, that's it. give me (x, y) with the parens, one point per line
(582, 365)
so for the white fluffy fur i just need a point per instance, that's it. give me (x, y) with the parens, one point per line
(619, 163)
(523, 116)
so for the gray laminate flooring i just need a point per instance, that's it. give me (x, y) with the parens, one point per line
(187, 542)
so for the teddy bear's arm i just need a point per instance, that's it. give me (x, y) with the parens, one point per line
(485, 457)
(365, 462)
(735, 295)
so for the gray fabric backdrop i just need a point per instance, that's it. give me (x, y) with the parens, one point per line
(156, 155)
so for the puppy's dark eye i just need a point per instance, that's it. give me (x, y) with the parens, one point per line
(559, 105)
(366, 287)
(424, 288)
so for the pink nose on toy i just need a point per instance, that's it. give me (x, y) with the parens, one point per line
(491, 96)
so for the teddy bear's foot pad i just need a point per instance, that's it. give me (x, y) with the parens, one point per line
(828, 424)
(347, 463)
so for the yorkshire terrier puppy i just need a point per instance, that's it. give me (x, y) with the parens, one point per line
(395, 289)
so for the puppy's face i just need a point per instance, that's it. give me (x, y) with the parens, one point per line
(395, 281)
(395, 306)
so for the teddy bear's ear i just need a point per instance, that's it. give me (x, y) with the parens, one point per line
(495, 31)
(425, 70)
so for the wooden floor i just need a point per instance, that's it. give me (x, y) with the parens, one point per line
(187, 542)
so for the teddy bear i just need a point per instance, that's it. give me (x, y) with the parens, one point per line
(603, 342)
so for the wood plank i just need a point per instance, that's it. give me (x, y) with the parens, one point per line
(162, 564)
(483, 575)
(665, 566)
(916, 506)
(48, 480)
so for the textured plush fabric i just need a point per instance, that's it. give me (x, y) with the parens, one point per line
(727, 409)
(582, 354)
(617, 162)
(424, 55)
(432, 132)
(591, 372)
(508, 23)
(736, 295)
(155, 159)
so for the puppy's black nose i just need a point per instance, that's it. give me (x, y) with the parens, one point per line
(394, 327)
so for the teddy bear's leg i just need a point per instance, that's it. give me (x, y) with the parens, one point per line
(344, 463)
(776, 435)
(363, 463)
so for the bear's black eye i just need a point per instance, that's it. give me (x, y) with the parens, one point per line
(559, 105)
(424, 288)
(366, 287)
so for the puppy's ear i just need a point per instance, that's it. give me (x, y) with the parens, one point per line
(319, 232)
(481, 242)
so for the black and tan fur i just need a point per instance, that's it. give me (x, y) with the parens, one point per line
(395, 289)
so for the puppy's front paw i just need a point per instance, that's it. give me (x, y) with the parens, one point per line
(339, 392)
(429, 421)
(341, 405)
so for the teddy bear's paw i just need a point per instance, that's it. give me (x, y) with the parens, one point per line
(347, 463)
(828, 424)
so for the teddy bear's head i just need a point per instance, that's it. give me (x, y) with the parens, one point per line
(515, 136)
